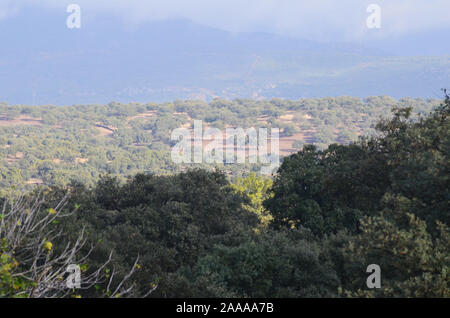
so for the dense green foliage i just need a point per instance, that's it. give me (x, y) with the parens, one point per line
(312, 233)
(323, 190)
(414, 264)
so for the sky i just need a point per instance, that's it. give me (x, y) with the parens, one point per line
(323, 20)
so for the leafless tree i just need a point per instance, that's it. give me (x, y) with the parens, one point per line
(27, 230)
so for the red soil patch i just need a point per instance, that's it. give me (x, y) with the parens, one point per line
(104, 130)
(22, 120)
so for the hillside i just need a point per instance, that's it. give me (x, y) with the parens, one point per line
(107, 60)
(59, 144)
(369, 219)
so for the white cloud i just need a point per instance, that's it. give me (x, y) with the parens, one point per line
(314, 19)
(8, 9)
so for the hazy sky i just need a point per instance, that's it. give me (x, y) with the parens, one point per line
(312, 19)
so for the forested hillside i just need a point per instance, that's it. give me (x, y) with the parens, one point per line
(54, 145)
(310, 232)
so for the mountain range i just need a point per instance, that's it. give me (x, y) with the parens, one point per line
(44, 62)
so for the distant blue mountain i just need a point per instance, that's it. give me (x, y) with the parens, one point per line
(43, 62)
(424, 43)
